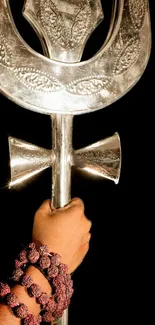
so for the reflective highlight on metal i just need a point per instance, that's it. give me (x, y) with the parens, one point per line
(63, 26)
(61, 168)
(62, 87)
(47, 86)
(27, 160)
(103, 158)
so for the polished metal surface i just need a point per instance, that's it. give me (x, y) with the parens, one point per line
(62, 87)
(63, 26)
(27, 160)
(61, 168)
(47, 86)
(102, 159)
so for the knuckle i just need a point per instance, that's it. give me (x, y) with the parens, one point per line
(79, 203)
(86, 247)
(87, 238)
(88, 224)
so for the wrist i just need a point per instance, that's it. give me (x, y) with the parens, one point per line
(21, 292)
(37, 273)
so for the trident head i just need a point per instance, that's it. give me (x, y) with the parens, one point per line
(61, 86)
(52, 86)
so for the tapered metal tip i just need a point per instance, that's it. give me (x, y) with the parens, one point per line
(27, 160)
(102, 158)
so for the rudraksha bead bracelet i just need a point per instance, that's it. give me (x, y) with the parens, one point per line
(19, 310)
(56, 273)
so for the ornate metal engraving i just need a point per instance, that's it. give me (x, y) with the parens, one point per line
(119, 65)
(64, 25)
(5, 53)
(36, 80)
(137, 12)
(62, 85)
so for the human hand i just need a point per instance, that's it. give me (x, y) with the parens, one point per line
(65, 231)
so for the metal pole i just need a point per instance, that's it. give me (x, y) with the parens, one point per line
(61, 168)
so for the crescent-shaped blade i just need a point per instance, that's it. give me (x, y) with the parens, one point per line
(47, 86)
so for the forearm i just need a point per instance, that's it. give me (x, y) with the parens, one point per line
(6, 315)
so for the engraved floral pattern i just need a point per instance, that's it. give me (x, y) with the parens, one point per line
(51, 21)
(69, 34)
(128, 56)
(81, 24)
(5, 53)
(88, 86)
(37, 80)
(137, 12)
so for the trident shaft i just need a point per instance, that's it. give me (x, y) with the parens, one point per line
(62, 86)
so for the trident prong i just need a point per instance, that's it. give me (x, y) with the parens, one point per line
(47, 86)
(62, 87)
(63, 27)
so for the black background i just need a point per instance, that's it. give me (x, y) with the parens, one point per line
(108, 284)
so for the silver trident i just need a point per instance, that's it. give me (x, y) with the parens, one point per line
(62, 86)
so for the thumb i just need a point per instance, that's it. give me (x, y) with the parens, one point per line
(47, 207)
